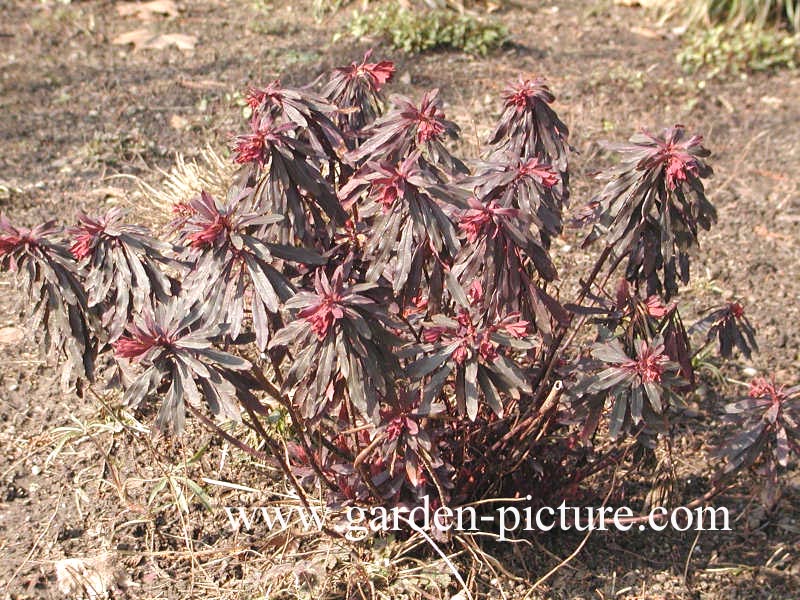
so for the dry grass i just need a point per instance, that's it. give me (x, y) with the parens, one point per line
(153, 205)
(190, 547)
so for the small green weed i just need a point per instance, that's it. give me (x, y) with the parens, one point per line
(725, 50)
(415, 31)
(322, 8)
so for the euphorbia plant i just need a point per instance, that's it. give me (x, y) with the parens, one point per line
(122, 263)
(339, 339)
(524, 183)
(529, 127)
(417, 333)
(655, 205)
(408, 127)
(356, 90)
(639, 385)
(474, 352)
(498, 247)
(53, 297)
(768, 433)
(731, 327)
(286, 175)
(231, 267)
(408, 228)
(302, 109)
(169, 349)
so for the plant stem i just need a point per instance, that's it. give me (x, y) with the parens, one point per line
(267, 385)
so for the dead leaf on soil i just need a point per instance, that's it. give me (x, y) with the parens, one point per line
(202, 84)
(11, 335)
(181, 40)
(772, 235)
(771, 100)
(8, 189)
(648, 33)
(178, 122)
(644, 3)
(137, 37)
(146, 39)
(90, 577)
(108, 193)
(148, 10)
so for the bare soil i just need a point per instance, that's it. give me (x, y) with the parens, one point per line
(78, 114)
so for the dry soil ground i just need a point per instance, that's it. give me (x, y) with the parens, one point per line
(76, 110)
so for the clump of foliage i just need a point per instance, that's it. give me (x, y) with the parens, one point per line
(415, 31)
(53, 297)
(731, 327)
(402, 306)
(356, 88)
(654, 206)
(730, 37)
(738, 12)
(726, 50)
(767, 420)
(172, 344)
(122, 263)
